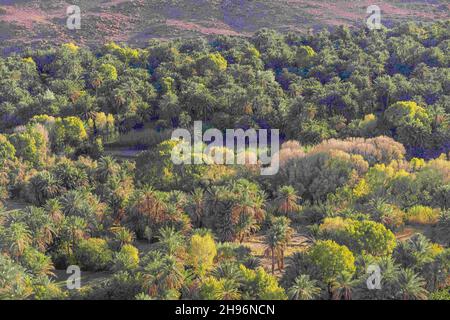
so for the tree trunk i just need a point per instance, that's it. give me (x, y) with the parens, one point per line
(273, 261)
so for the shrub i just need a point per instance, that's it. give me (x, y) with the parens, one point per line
(93, 254)
(202, 251)
(258, 284)
(331, 259)
(7, 150)
(443, 294)
(37, 262)
(422, 215)
(127, 258)
(374, 150)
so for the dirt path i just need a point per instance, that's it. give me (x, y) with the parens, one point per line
(409, 231)
(122, 154)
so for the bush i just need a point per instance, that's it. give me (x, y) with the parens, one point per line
(331, 259)
(360, 236)
(93, 254)
(443, 294)
(127, 258)
(258, 284)
(422, 215)
(375, 150)
(37, 262)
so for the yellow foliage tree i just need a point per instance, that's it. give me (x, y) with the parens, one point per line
(202, 251)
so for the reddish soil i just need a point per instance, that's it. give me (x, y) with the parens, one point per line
(219, 28)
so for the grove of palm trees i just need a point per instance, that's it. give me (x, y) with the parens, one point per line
(87, 181)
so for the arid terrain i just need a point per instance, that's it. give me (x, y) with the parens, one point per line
(40, 22)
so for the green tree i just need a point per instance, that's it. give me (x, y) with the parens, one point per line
(331, 260)
(304, 288)
(202, 251)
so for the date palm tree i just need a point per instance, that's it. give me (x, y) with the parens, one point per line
(277, 239)
(41, 226)
(171, 241)
(106, 167)
(16, 238)
(123, 235)
(53, 209)
(14, 280)
(304, 288)
(286, 200)
(342, 287)
(246, 212)
(197, 206)
(74, 229)
(43, 186)
(229, 290)
(411, 286)
(163, 273)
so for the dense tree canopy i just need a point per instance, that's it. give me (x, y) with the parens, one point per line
(87, 177)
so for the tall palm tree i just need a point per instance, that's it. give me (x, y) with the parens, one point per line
(277, 239)
(163, 273)
(245, 213)
(411, 286)
(123, 235)
(198, 206)
(286, 200)
(107, 167)
(41, 226)
(53, 209)
(171, 241)
(16, 238)
(74, 230)
(272, 243)
(304, 288)
(342, 287)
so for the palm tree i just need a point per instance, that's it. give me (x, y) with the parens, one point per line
(16, 238)
(228, 270)
(389, 271)
(74, 230)
(304, 288)
(14, 280)
(230, 290)
(342, 287)
(123, 235)
(198, 206)
(171, 241)
(272, 243)
(44, 186)
(277, 239)
(286, 200)
(41, 226)
(53, 208)
(72, 203)
(245, 213)
(152, 206)
(410, 286)
(415, 252)
(283, 224)
(107, 167)
(82, 203)
(163, 273)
